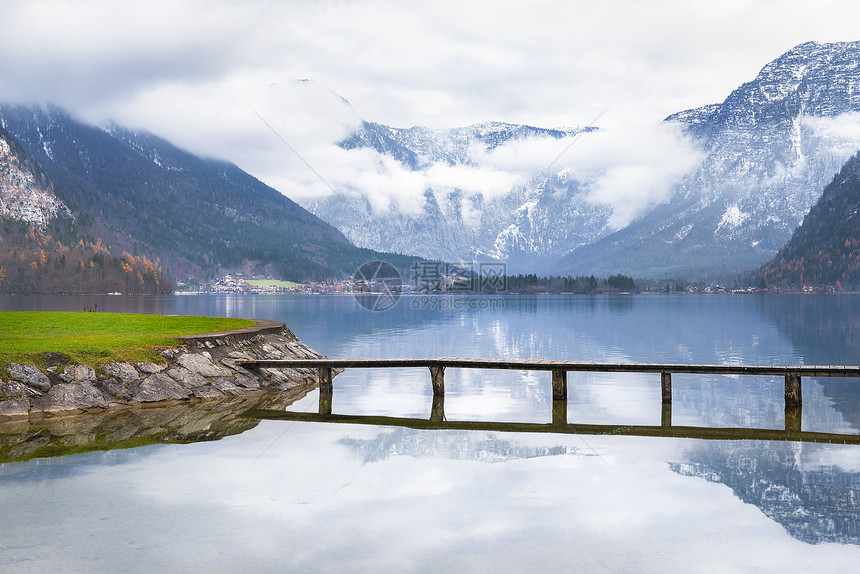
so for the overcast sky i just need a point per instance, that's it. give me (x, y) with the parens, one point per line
(195, 71)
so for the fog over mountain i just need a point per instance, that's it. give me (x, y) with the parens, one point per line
(771, 147)
(495, 190)
(709, 192)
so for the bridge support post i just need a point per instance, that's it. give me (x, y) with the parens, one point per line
(437, 412)
(666, 415)
(437, 379)
(792, 419)
(559, 385)
(559, 412)
(326, 389)
(325, 403)
(793, 392)
(325, 379)
(666, 388)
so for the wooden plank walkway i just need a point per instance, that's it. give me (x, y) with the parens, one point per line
(792, 374)
(545, 365)
(437, 366)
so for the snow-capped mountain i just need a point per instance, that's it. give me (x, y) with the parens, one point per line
(540, 217)
(771, 147)
(762, 158)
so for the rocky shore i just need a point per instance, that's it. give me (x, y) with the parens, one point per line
(201, 368)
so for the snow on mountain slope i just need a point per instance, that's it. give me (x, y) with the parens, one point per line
(522, 194)
(26, 194)
(771, 147)
(476, 201)
(717, 191)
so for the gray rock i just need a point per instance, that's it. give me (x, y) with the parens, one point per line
(160, 387)
(125, 372)
(186, 378)
(170, 354)
(116, 389)
(78, 374)
(65, 397)
(224, 385)
(205, 375)
(14, 408)
(239, 370)
(246, 382)
(150, 368)
(29, 375)
(207, 392)
(272, 352)
(202, 366)
(17, 389)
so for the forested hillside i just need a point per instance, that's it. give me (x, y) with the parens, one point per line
(34, 261)
(200, 217)
(825, 249)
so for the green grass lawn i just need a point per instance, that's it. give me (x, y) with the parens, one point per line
(96, 338)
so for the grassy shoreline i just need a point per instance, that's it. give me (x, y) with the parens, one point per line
(97, 338)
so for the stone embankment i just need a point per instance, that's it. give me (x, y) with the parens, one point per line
(202, 367)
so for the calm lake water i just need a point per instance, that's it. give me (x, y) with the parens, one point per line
(319, 497)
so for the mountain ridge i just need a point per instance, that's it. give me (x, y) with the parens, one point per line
(145, 196)
(769, 156)
(464, 194)
(520, 226)
(767, 152)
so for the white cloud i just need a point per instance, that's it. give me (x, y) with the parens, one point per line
(441, 64)
(472, 180)
(840, 134)
(528, 155)
(632, 168)
(192, 71)
(389, 184)
(629, 169)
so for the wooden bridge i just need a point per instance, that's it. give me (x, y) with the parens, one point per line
(793, 376)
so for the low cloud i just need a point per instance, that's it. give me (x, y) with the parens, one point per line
(632, 168)
(301, 124)
(839, 135)
(390, 185)
(472, 179)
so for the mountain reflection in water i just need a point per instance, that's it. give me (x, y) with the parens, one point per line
(457, 445)
(815, 501)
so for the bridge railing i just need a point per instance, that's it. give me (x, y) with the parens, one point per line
(793, 376)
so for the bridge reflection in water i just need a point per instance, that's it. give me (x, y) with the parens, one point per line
(560, 426)
(327, 368)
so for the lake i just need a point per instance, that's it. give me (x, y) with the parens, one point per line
(279, 496)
